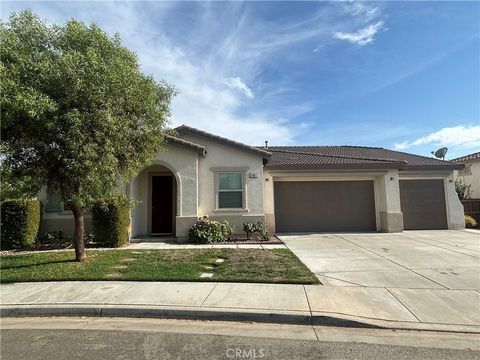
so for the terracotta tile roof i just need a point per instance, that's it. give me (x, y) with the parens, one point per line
(190, 130)
(351, 157)
(199, 148)
(474, 156)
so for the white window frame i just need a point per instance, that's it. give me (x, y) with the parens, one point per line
(242, 173)
(60, 209)
(467, 170)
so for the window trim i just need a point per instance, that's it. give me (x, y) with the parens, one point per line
(242, 172)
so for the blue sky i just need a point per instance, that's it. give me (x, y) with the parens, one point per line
(400, 75)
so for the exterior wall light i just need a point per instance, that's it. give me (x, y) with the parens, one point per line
(392, 178)
(267, 180)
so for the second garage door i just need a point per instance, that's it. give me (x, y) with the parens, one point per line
(320, 206)
(423, 204)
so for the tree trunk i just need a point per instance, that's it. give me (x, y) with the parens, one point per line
(78, 239)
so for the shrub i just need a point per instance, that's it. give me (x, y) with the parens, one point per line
(249, 229)
(266, 236)
(470, 222)
(256, 228)
(20, 223)
(111, 222)
(205, 231)
(55, 238)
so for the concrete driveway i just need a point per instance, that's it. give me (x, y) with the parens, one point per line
(429, 259)
(433, 276)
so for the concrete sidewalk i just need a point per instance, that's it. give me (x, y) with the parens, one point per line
(419, 309)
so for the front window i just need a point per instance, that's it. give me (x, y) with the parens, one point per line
(54, 203)
(467, 170)
(230, 190)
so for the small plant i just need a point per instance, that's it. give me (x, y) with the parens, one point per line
(249, 229)
(206, 231)
(90, 237)
(266, 236)
(256, 228)
(470, 222)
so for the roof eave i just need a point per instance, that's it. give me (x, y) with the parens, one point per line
(381, 166)
(187, 129)
(188, 144)
(436, 167)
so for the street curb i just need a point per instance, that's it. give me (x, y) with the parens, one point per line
(153, 312)
(215, 314)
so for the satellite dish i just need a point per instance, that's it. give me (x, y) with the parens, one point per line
(440, 153)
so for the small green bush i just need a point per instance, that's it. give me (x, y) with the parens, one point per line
(206, 231)
(257, 228)
(111, 222)
(470, 222)
(20, 223)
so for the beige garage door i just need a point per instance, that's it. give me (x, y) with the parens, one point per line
(319, 206)
(423, 204)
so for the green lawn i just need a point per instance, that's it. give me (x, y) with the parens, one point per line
(239, 265)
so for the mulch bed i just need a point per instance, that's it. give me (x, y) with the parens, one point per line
(253, 240)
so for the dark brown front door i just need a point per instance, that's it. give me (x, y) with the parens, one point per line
(423, 204)
(162, 204)
(319, 206)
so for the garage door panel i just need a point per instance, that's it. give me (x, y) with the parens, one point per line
(318, 206)
(423, 204)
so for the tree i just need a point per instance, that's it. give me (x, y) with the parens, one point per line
(78, 115)
(464, 191)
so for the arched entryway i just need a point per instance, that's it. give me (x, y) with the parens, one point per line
(155, 189)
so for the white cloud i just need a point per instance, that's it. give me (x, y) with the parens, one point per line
(459, 136)
(215, 61)
(361, 9)
(237, 83)
(361, 37)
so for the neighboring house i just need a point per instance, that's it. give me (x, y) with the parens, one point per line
(292, 188)
(470, 174)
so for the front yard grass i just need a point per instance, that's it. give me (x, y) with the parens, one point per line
(238, 265)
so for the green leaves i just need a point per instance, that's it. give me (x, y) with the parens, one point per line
(20, 222)
(206, 231)
(77, 112)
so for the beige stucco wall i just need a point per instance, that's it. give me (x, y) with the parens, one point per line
(222, 157)
(455, 213)
(387, 192)
(474, 179)
(196, 187)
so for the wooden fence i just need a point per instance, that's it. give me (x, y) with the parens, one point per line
(472, 208)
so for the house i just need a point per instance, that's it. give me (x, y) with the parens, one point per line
(291, 188)
(470, 174)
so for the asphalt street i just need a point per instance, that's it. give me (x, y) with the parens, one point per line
(58, 344)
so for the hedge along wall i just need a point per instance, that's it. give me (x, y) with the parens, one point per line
(20, 223)
(110, 223)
